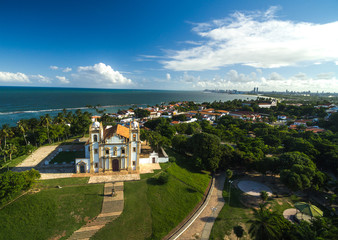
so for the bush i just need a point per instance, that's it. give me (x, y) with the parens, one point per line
(172, 159)
(11, 183)
(163, 178)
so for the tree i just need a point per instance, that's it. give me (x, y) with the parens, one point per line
(6, 132)
(239, 231)
(206, 147)
(266, 225)
(141, 113)
(45, 122)
(229, 174)
(264, 196)
(23, 127)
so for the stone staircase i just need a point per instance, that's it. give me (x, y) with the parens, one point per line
(112, 207)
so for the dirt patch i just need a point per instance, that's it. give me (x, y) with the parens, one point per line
(58, 236)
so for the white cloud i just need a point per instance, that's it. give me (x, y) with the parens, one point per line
(299, 76)
(40, 78)
(54, 67)
(63, 79)
(14, 77)
(259, 40)
(329, 75)
(102, 74)
(275, 76)
(168, 76)
(190, 78)
(67, 69)
(233, 76)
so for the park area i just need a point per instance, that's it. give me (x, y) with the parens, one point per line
(153, 206)
(243, 197)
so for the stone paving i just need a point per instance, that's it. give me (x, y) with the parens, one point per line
(112, 208)
(114, 178)
(201, 227)
(35, 158)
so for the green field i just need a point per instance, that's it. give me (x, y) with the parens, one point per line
(152, 209)
(51, 213)
(68, 157)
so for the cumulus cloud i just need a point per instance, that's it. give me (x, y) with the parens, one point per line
(257, 39)
(40, 78)
(275, 76)
(101, 73)
(168, 76)
(67, 69)
(328, 75)
(189, 78)
(63, 79)
(234, 76)
(54, 67)
(299, 76)
(14, 77)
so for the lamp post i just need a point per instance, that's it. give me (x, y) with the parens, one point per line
(230, 182)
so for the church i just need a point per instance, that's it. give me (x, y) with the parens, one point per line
(115, 149)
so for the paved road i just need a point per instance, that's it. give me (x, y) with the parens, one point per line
(202, 226)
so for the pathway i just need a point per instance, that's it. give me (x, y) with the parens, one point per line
(201, 227)
(112, 207)
(35, 158)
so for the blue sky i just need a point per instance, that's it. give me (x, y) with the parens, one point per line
(186, 44)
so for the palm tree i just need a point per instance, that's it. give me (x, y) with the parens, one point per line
(11, 149)
(6, 132)
(22, 127)
(264, 225)
(45, 121)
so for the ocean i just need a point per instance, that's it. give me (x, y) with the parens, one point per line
(31, 102)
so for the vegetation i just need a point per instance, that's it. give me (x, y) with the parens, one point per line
(154, 208)
(51, 213)
(29, 133)
(12, 183)
(67, 157)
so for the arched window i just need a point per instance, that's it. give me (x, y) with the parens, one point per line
(123, 150)
(134, 137)
(107, 151)
(95, 138)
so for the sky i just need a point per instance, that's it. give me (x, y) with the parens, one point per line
(170, 44)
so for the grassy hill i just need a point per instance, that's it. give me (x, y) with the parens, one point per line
(52, 212)
(152, 209)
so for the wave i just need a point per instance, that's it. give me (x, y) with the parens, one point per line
(60, 109)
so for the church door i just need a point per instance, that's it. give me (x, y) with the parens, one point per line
(116, 166)
(82, 168)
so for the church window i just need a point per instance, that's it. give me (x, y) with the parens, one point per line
(134, 137)
(134, 163)
(96, 165)
(115, 151)
(95, 151)
(107, 151)
(95, 138)
(134, 149)
(123, 150)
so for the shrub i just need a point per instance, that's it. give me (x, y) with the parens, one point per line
(172, 159)
(11, 183)
(163, 178)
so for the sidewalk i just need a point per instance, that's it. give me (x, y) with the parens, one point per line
(201, 227)
(112, 208)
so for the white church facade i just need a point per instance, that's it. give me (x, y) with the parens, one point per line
(115, 149)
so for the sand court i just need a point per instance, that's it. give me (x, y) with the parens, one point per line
(253, 188)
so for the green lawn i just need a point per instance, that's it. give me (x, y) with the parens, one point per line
(135, 220)
(51, 183)
(51, 213)
(68, 157)
(230, 215)
(152, 210)
(237, 214)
